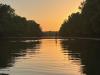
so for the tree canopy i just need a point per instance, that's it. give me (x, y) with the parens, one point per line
(83, 24)
(14, 25)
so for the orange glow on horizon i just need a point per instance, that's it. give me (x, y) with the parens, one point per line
(50, 14)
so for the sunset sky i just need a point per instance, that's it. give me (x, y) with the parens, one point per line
(50, 14)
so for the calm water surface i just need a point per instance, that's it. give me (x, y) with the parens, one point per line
(47, 57)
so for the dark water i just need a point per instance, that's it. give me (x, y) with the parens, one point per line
(50, 57)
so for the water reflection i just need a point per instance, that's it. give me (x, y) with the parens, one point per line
(86, 51)
(50, 57)
(71, 48)
(11, 49)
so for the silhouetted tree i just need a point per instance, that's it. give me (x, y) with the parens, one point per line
(71, 27)
(14, 25)
(84, 24)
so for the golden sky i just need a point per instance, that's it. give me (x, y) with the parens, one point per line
(50, 14)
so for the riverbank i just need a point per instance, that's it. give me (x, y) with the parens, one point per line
(33, 38)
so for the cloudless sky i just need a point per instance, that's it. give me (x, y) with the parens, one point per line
(50, 14)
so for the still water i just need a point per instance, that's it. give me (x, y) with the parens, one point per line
(49, 57)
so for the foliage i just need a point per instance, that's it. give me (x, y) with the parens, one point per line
(86, 23)
(14, 25)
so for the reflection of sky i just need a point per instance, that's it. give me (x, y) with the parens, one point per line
(50, 60)
(49, 13)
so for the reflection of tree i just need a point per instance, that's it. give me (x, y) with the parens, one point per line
(71, 48)
(11, 49)
(90, 57)
(89, 54)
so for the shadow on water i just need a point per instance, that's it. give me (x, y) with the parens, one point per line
(87, 51)
(10, 49)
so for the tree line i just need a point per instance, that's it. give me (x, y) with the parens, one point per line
(85, 23)
(12, 25)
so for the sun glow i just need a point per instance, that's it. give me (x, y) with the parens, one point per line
(48, 13)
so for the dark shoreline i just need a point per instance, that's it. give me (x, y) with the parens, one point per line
(36, 38)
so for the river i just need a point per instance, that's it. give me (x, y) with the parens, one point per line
(48, 57)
